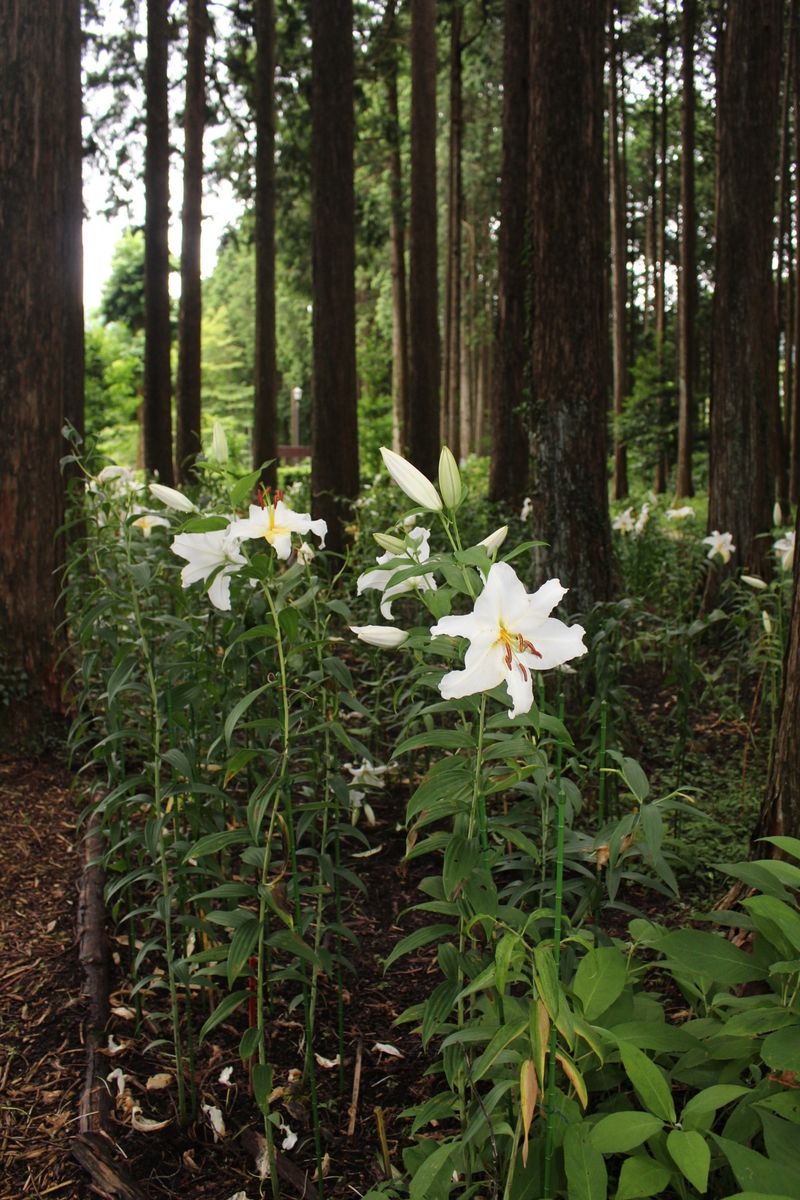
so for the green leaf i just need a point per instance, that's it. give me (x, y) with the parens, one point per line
(240, 949)
(758, 1196)
(444, 739)
(430, 1181)
(417, 939)
(754, 1170)
(648, 1082)
(262, 1085)
(781, 1050)
(462, 855)
(223, 1010)
(212, 843)
(240, 708)
(635, 778)
(204, 524)
(698, 1111)
(502, 1039)
(119, 677)
(710, 956)
(600, 980)
(619, 1132)
(587, 1177)
(791, 845)
(249, 1043)
(768, 911)
(243, 487)
(690, 1152)
(642, 1176)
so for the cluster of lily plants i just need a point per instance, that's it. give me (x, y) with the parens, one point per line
(231, 687)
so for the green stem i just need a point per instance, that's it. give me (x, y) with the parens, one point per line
(601, 763)
(551, 1065)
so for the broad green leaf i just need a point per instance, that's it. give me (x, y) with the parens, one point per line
(758, 1196)
(442, 1107)
(504, 1037)
(619, 1132)
(240, 708)
(587, 1177)
(710, 956)
(599, 980)
(752, 1169)
(648, 1082)
(240, 949)
(791, 845)
(223, 1010)
(428, 1182)
(462, 855)
(690, 1152)
(262, 1085)
(635, 778)
(212, 843)
(243, 487)
(417, 939)
(781, 1050)
(444, 739)
(248, 1043)
(698, 1112)
(642, 1176)
(768, 911)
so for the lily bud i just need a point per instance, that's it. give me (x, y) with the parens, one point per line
(219, 443)
(411, 481)
(449, 478)
(394, 545)
(495, 540)
(754, 582)
(777, 514)
(171, 497)
(385, 637)
(766, 622)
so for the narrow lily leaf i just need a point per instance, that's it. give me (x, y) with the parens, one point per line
(415, 941)
(505, 1036)
(239, 709)
(241, 947)
(528, 1092)
(223, 1010)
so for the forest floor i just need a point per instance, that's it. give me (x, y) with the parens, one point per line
(43, 1009)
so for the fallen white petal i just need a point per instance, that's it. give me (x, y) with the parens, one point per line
(368, 853)
(225, 1076)
(385, 1048)
(289, 1138)
(144, 1124)
(214, 1115)
(119, 1077)
(327, 1063)
(156, 1082)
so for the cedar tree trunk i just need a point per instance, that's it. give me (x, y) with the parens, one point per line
(687, 277)
(265, 416)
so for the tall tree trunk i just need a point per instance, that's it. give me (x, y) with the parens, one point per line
(189, 442)
(423, 383)
(397, 241)
(784, 256)
(157, 331)
(659, 298)
(508, 470)
(780, 808)
(40, 309)
(452, 367)
(619, 255)
(570, 353)
(743, 354)
(687, 276)
(334, 421)
(265, 412)
(793, 415)
(72, 257)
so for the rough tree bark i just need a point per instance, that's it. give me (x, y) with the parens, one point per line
(265, 414)
(660, 247)
(687, 276)
(157, 332)
(508, 471)
(40, 311)
(451, 369)
(189, 442)
(744, 368)
(334, 428)
(423, 327)
(570, 353)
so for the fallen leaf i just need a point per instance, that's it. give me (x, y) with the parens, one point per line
(144, 1124)
(156, 1082)
(385, 1048)
(368, 853)
(328, 1063)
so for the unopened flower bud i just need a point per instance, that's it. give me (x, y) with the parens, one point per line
(495, 540)
(219, 443)
(411, 481)
(777, 514)
(171, 497)
(386, 541)
(385, 637)
(449, 478)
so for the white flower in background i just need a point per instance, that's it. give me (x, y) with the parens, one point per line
(276, 523)
(215, 1120)
(206, 553)
(225, 1076)
(624, 522)
(642, 519)
(527, 509)
(385, 637)
(511, 634)
(366, 775)
(147, 521)
(411, 481)
(495, 540)
(753, 581)
(418, 552)
(721, 544)
(785, 550)
(679, 514)
(171, 497)
(766, 621)
(306, 553)
(219, 444)
(410, 521)
(777, 514)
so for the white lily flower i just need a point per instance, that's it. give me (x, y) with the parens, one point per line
(205, 553)
(418, 552)
(753, 581)
(411, 481)
(147, 521)
(511, 634)
(495, 540)
(366, 774)
(721, 544)
(785, 550)
(171, 497)
(679, 514)
(642, 519)
(225, 1076)
(276, 523)
(385, 637)
(306, 553)
(624, 522)
(219, 444)
(527, 509)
